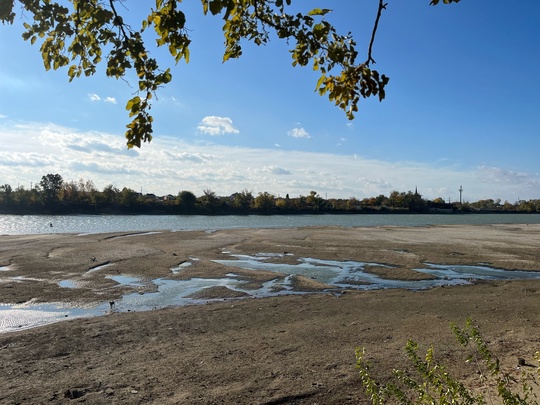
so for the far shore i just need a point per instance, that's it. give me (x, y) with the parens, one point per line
(364, 211)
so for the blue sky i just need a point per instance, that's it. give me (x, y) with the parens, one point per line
(462, 109)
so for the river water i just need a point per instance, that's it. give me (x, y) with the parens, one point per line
(38, 224)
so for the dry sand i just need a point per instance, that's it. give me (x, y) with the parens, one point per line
(293, 349)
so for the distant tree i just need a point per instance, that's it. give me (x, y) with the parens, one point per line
(23, 197)
(439, 200)
(109, 195)
(209, 201)
(69, 191)
(353, 204)
(264, 202)
(338, 204)
(88, 191)
(380, 200)
(413, 201)
(243, 200)
(508, 206)
(314, 201)
(526, 206)
(50, 186)
(299, 204)
(128, 197)
(6, 194)
(79, 34)
(282, 203)
(187, 199)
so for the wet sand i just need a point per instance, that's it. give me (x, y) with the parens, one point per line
(292, 349)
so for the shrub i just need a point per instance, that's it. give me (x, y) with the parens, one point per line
(431, 383)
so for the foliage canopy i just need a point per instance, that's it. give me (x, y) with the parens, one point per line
(80, 34)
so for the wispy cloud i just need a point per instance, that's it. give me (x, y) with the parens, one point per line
(190, 157)
(25, 160)
(214, 126)
(93, 97)
(102, 168)
(168, 165)
(276, 170)
(92, 146)
(298, 133)
(342, 140)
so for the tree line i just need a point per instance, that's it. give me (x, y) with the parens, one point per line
(54, 195)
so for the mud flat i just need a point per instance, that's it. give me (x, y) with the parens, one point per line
(281, 349)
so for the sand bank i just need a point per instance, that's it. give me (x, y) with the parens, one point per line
(291, 349)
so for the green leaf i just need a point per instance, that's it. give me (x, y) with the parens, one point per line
(320, 82)
(319, 11)
(215, 6)
(133, 103)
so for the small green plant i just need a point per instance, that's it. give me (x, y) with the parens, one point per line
(431, 383)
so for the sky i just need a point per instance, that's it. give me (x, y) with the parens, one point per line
(462, 109)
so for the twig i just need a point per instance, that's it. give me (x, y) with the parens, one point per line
(382, 6)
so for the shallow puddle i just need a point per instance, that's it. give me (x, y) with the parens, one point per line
(180, 267)
(24, 316)
(338, 274)
(479, 272)
(68, 284)
(341, 274)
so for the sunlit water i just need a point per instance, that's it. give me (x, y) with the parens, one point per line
(38, 224)
(338, 275)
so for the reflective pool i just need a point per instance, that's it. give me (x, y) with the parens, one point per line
(338, 275)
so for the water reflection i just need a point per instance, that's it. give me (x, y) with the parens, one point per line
(338, 275)
(348, 274)
(85, 224)
(480, 272)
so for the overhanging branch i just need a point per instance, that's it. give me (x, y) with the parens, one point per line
(382, 6)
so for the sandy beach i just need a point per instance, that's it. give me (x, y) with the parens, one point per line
(276, 350)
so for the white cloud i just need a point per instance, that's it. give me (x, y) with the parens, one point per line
(299, 133)
(190, 157)
(94, 97)
(214, 126)
(168, 165)
(375, 184)
(276, 170)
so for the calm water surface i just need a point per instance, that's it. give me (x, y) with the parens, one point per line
(37, 224)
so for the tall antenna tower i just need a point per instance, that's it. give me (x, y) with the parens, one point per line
(460, 194)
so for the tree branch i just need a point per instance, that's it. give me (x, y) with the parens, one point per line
(118, 20)
(382, 6)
